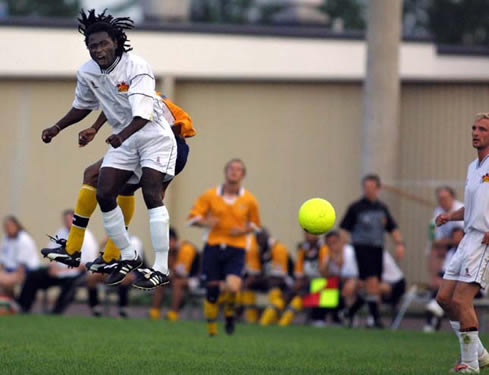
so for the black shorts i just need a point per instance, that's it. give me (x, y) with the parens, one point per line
(218, 262)
(182, 154)
(370, 261)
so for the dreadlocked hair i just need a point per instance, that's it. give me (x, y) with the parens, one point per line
(89, 23)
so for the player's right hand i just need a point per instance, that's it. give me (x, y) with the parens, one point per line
(442, 219)
(49, 133)
(86, 136)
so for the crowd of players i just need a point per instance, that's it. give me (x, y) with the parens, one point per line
(275, 282)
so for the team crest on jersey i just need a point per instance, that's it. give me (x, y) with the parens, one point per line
(485, 178)
(122, 87)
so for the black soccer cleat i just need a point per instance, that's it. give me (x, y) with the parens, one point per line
(122, 269)
(229, 325)
(150, 279)
(99, 265)
(60, 255)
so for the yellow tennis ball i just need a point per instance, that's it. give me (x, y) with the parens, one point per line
(316, 216)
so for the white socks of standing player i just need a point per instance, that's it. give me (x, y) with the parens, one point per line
(116, 230)
(159, 226)
(471, 347)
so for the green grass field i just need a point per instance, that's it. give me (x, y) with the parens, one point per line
(79, 345)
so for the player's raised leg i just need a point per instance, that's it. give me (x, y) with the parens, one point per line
(109, 184)
(69, 251)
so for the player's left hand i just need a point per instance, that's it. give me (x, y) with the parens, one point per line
(399, 251)
(115, 140)
(485, 239)
(86, 136)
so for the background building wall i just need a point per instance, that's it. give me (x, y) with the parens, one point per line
(298, 140)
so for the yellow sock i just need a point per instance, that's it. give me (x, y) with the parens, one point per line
(154, 313)
(127, 204)
(230, 305)
(248, 300)
(172, 315)
(251, 314)
(269, 316)
(276, 300)
(85, 206)
(294, 307)
(211, 310)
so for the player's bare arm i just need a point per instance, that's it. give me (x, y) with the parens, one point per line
(400, 248)
(116, 140)
(73, 116)
(452, 216)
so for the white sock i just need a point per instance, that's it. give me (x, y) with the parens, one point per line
(456, 328)
(159, 226)
(116, 230)
(469, 342)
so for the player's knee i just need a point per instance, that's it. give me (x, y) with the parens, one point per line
(233, 284)
(106, 200)
(90, 175)
(443, 300)
(152, 197)
(212, 293)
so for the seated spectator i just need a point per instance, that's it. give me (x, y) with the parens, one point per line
(184, 264)
(310, 254)
(18, 257)
(58, 274)
(267, 266)
(441, 237)
(96, 279)
(340, 262)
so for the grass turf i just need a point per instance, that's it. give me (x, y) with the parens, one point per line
(83, 345)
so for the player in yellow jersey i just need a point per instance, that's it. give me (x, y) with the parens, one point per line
(311, 254)
(229, 212)
(267, 266)
(69, 251)
(184, 270)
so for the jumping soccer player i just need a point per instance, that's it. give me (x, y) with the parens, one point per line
(467, 271)
(69, 251)
(230, 213)
(142, 143)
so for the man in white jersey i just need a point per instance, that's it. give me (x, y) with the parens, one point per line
(467, 272)
(142, 143)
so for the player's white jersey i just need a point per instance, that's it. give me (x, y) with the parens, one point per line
(124, 90)
(391, 272)
(19, 251)
(476, 200)
(445, 230)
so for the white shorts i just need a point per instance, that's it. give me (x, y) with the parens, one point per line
(151, 147)
(470, 262)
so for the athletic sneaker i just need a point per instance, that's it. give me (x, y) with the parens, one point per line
(122, 269)
(150, 279)
(464, 368)
(99, 265)
(229, 325)
(60, 255)
(484, 360)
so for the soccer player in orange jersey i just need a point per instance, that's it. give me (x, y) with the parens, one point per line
(229, 212)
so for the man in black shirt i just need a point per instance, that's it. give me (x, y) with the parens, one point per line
(366, 220)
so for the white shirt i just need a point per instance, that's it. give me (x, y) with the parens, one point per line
(124, 90)
(476, 200)
(89, 251)
(391, 273)
(350, 268)
(19, 251)
(445, 231)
